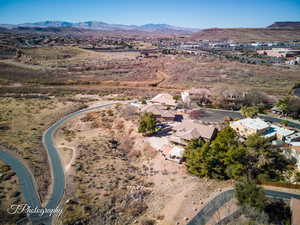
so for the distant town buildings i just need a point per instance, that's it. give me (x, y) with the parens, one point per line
(280, 52)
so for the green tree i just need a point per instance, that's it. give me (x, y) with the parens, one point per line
(279, 212)
(216, 159)
(249, 111)
(290, 106)
(226, 157)
(235, 162)
(256, 206)
(147, 123)
(212, 159)
(250, 195)
(194, 144)
(262, 158)
(195, 162)
(283, 104)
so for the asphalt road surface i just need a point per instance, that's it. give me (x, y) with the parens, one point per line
(27, 181)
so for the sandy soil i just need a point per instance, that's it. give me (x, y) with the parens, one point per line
(178, 196)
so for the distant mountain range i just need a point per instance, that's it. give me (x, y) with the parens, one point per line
(285, 25)
(96, 25)
(278, 31)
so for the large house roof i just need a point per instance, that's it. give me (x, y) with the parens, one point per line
(188, 134)
(158, 110)
(155, 109)
(190, 129)
(257, 123)
(164, 98)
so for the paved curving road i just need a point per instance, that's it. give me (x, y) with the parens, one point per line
(27, 181)
(55, 163)
(25, 178)
(211, 207)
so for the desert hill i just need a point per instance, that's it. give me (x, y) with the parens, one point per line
(279, 31)
(285, 25)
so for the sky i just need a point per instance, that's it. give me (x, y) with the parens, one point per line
(187, 13)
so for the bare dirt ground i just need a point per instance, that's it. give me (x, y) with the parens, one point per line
(170, 195)
(178, 196)
(211, 71)
(75, 66)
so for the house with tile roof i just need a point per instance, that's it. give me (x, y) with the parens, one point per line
(164, 99)
(160, 111)
(191, 129)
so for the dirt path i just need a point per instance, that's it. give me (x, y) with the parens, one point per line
(160, 78)
(67, 157)
(24, 65)
(164, 77)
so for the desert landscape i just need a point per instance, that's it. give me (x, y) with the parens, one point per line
(110, 123)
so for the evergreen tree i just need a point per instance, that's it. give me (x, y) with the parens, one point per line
(249, 111)
(249, 194)
(147, 123)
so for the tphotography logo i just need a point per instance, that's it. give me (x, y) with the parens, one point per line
(25, 208)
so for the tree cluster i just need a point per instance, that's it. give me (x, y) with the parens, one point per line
(224, 99)
(258, 208)
(254, 159)
(289, 106)
(227, 158)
